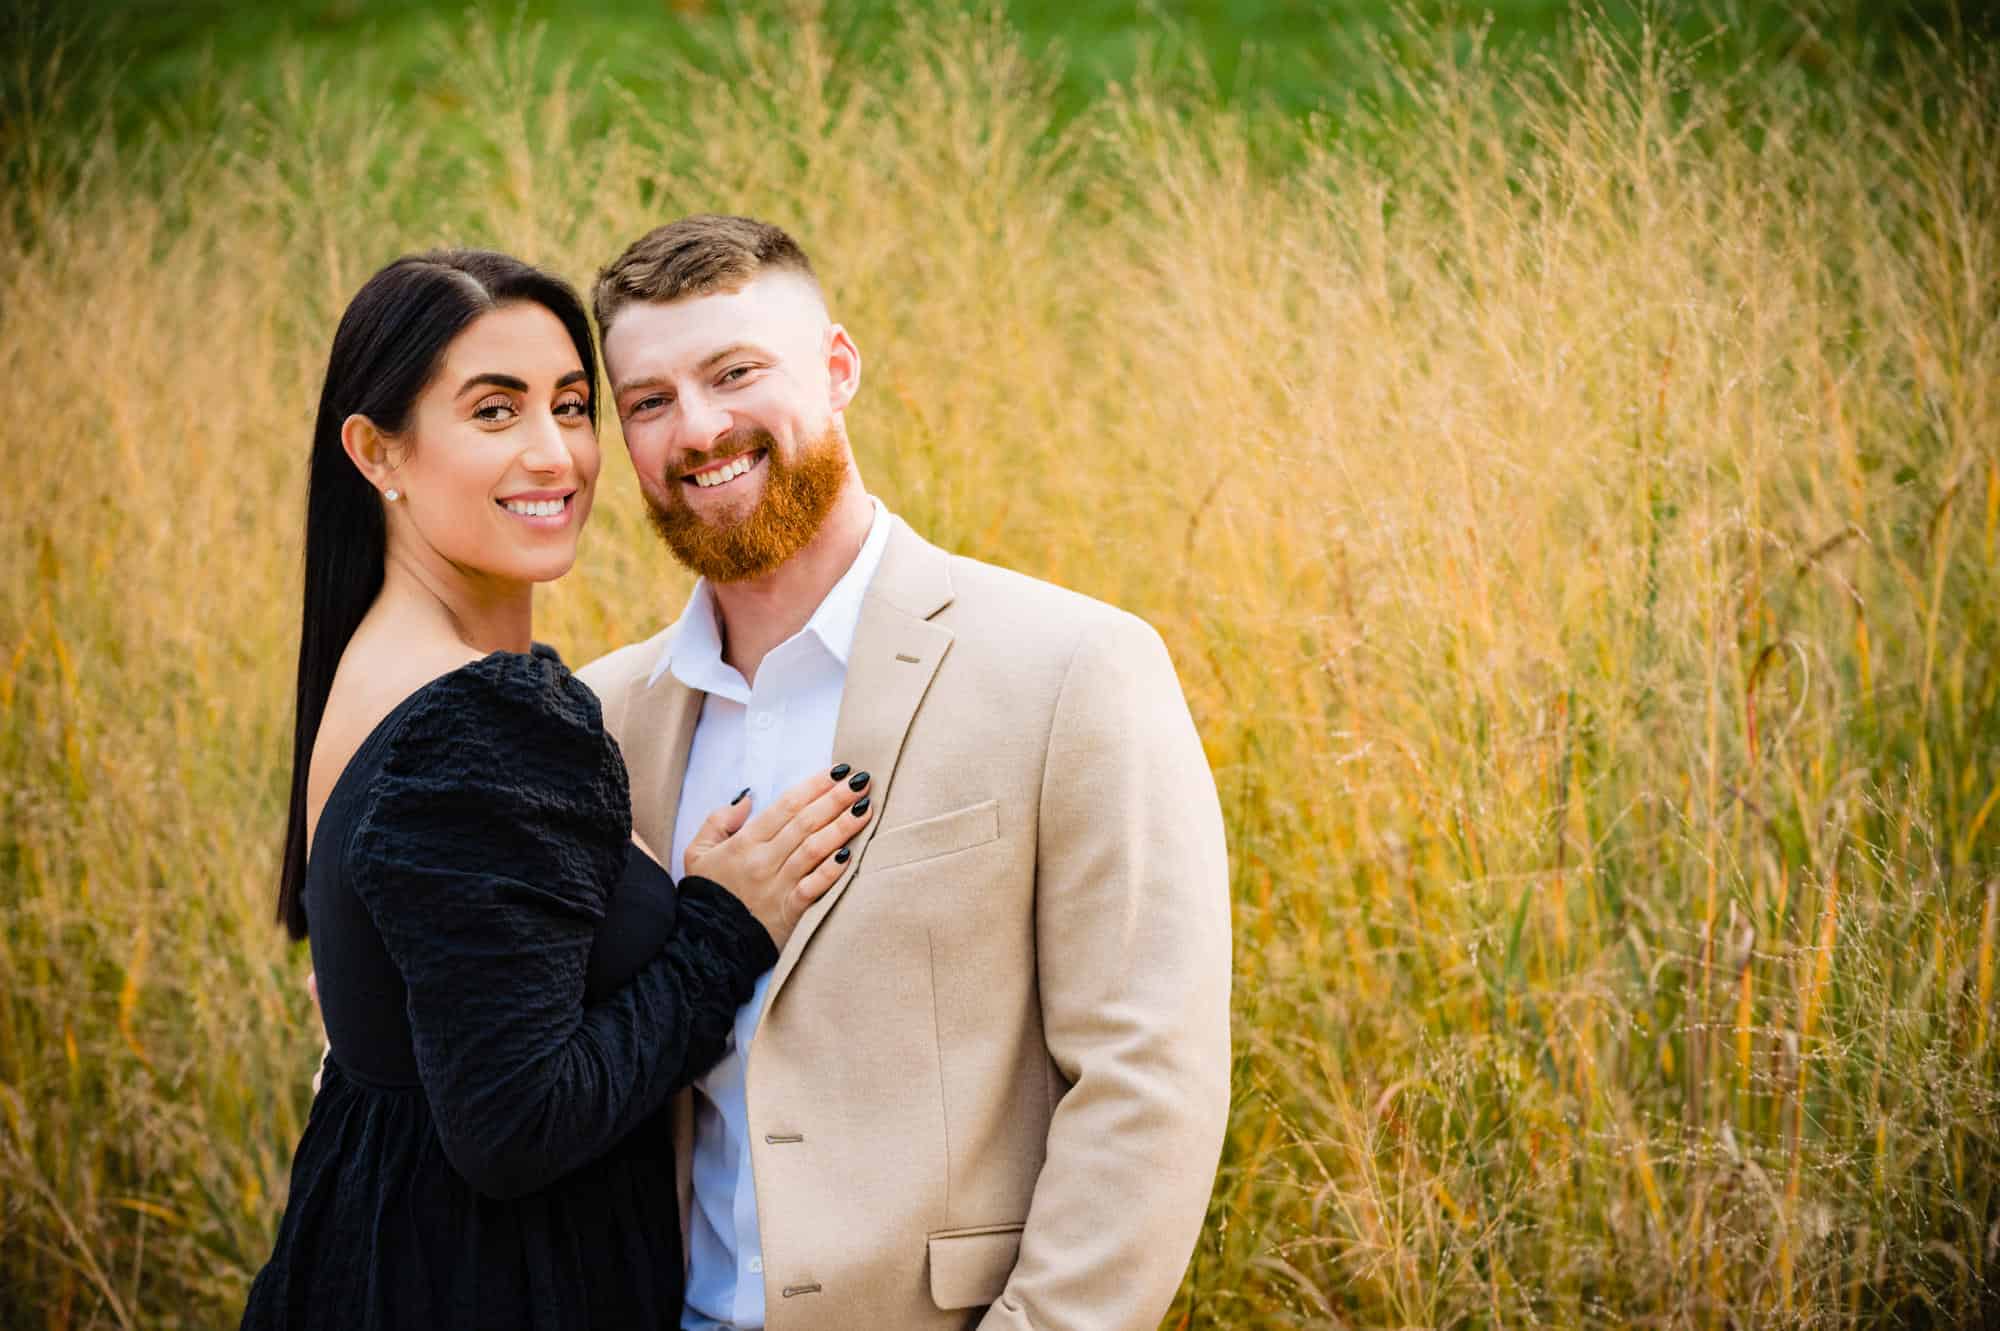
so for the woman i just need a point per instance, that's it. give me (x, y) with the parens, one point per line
(512, 988)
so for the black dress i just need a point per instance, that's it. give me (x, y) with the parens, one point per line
(512, 992)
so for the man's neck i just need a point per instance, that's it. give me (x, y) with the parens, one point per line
(759, 613)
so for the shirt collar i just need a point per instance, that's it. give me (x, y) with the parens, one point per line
(694, 645)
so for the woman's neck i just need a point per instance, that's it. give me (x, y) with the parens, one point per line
(486, 614)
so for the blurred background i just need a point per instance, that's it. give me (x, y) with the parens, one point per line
(1560, 446)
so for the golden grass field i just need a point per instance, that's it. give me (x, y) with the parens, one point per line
(1572, 501)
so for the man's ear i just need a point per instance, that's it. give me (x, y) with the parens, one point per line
(843, 370)
(371, 451)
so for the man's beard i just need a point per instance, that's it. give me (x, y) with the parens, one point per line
(798, 495)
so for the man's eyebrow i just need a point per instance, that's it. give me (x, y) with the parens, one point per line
(496, 380)
(624, 386)
(733, 349)
(708, 362)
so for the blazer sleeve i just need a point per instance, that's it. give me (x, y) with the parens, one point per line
(1133, 953)
(485, 855)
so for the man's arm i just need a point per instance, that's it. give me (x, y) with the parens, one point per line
(1132, 933)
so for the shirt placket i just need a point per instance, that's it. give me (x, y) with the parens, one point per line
(763, 727)
(746, 1310)
(763, 752)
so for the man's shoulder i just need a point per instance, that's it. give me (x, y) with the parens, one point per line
(615, 672)
(1029, 615)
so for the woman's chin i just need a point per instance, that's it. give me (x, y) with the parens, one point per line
(549, 570)
(544, 566)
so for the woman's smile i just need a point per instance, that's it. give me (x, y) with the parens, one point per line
(547, 509)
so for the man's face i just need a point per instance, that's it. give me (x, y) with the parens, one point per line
(731, 408)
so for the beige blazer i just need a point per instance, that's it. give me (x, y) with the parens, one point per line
(993, 1066)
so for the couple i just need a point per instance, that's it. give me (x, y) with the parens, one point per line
(854, 953)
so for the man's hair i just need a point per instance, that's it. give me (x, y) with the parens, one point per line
(693, 257)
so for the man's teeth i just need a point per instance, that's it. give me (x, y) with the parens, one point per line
(533, 508)
(705, 479)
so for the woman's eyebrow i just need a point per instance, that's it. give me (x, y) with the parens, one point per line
(496, 380)
(576, 376)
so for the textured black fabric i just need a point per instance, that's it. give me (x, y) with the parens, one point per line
(512, 992)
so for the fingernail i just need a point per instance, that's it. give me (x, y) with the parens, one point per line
(860, 808)
(839, 772)
(740, 794)
(860, 780)
(843, 855)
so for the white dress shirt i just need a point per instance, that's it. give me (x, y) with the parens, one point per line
(768, 737)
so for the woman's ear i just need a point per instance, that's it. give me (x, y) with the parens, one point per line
(370, 450)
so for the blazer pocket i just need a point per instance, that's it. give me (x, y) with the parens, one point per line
(969, 1267)
(961, 829)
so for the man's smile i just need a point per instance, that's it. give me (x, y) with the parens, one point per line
(725, 470)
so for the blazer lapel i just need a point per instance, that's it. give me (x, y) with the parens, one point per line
(659, 724)
(666, 712)
(896, 654)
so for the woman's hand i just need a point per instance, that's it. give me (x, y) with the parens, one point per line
(319, 1073)
(779, 861)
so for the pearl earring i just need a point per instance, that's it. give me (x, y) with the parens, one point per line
(392, 495)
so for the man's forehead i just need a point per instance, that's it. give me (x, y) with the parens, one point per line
(778, 309)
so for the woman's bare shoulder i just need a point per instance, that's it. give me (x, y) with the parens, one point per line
(375, 676)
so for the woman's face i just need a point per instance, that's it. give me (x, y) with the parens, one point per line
(496, 468)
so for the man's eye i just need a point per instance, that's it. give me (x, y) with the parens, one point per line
(735, 373)
(648, 403)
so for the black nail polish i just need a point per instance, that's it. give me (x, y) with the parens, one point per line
(839, 772)
(842, 855)
(860, 808)
(739, 795)
(860, 780)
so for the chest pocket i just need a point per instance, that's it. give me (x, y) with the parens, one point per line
(961, 829)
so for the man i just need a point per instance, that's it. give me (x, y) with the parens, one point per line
(992, 1065)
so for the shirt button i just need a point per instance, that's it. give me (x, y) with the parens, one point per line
(757, 1266)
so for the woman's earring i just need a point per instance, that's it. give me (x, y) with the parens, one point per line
(392, 495)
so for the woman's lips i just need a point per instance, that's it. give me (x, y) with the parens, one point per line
(549, 513)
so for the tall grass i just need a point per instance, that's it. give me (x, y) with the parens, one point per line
(1571, 495)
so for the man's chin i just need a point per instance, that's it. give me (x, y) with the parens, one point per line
(701, 547)
(782, 519)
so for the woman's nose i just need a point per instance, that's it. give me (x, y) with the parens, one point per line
(548, 450)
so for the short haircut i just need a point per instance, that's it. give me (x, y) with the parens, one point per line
(693, 257)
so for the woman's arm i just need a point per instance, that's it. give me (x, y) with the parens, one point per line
(491, 840)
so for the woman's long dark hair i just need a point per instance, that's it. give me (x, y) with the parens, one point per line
(390, 343)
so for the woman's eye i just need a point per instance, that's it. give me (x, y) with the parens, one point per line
(494, 411)
(573, 408)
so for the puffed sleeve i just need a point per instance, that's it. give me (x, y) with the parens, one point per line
(485, 854)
